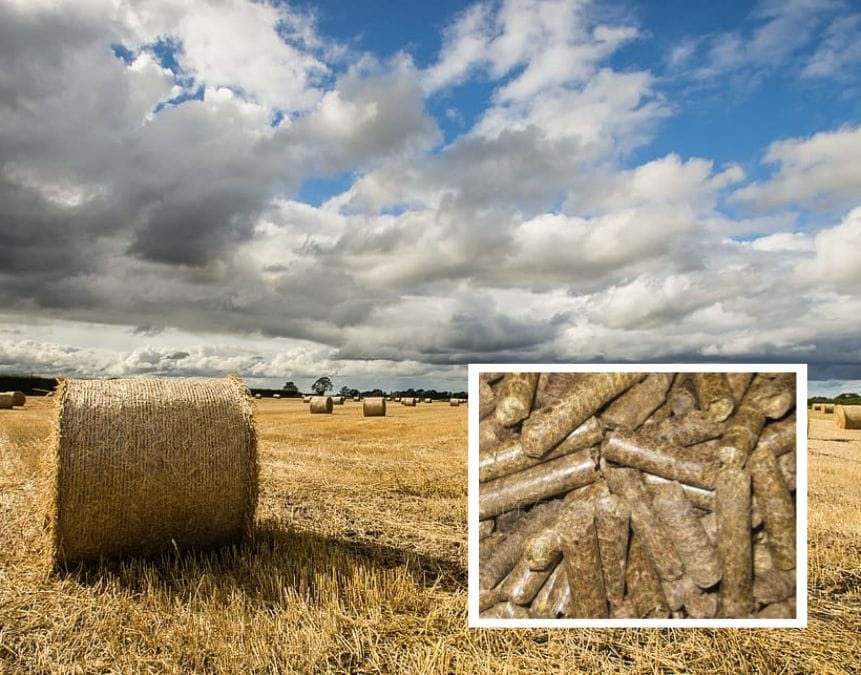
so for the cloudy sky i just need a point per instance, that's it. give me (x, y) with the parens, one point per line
(384, 192)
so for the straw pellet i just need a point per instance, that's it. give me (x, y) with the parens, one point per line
(582, 561)
(714, 395)
(773, 585)
(485, 528)
(505, 610)
(734, 542)
(774, 396)
(778, 610)
(612, 522)
(633, 407)
(544, 605)
(644, 592)
(776, 506)
(738, 384)
(522, 583)
(741, 435)
(698, 497)
(553, 385)
(490, 431)
(515, 397)
(682, 396)
(779, 437)
(544, 480)
(543, 548)
(687, 429)
(787, 464)
(550, 425)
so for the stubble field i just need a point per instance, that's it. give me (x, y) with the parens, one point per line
(359, 565)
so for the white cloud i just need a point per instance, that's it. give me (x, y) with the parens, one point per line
(838, 56)
(837, 253)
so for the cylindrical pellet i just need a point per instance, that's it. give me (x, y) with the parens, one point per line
(536, 483)
(612, 521)
(633, 407)
(775, 505)
(687, 429)
(732, 493)
(697, 553)
(488, 597)
(522, 583)
(774, 396)
(628, 484)
(698, 497)
(540, 607)
(486, 399)
(543, 548)
(490, 378)
(485, 528)
(778, 610)
(741, 435)
(738, 384)
(682, 395)
(779, 437)
(547, 427)
(508, 457)
(505, 610)
(652, 456)
(515, 397)
(553, 385)
(491, 433)
(644, 586)
(582, 561)
(773, 586)
(762, 559)
(714, 395)
(787, 464)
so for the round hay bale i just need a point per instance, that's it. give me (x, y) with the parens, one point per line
(306, 399)
(18, 398)
(408, 401)
(7, 399)
(847, 416)
(828, 408)
(374, 407)
(276, 395)
(428, 400)
(454, 402)
(258, 395)
(356, 398)
(338, 400)
(143, 465)
(321, 405)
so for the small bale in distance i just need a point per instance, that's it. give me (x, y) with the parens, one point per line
(143, 465)
(18, 398)
(7, 400)
(847, 416)
(411, 402)
(828, 408)
(276, 395)
(306, 399)
(454, 402)
(321, 405)
(337, 400)
(374, 407)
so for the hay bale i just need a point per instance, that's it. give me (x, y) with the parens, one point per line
(18, 398)
(374, 407)
(306, 399)
(454, 402)
(7, 399)
(321, 405)
(356, 398)
(258, 395)
(428, 400)
(847, 416)
(143, 465)
(409, 402)
(828, 408)
(276, 395)
(338, 400)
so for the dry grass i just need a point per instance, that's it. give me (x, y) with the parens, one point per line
(360, 564)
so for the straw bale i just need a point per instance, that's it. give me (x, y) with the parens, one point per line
(374, 407)
(454, 402)
(321, 405)
(847, 416)
(276, 395)
(142, 465)
(7, 399)
(306, 399)
(337, 400)
(828, 408)
(18, 398)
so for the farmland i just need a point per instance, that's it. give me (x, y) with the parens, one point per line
(359, 564)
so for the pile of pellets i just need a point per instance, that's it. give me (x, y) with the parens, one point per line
(634, 495)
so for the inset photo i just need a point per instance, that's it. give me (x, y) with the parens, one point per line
(638, 495)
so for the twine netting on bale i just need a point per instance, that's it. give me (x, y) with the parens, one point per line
(7, 399)
(374, 407)
(321, 405)
(142, 465)
(847, 416)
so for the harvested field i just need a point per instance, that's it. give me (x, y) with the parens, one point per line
(360, 565)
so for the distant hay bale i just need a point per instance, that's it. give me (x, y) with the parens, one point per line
(338, 400)
(828, 408)
(7, 399)
(817, 407)
(321, 405)
(306, 399)
(428, 400)
(408, 402)
(454, 402)
(139, 466)
(18, 398)
(276, 395)
(258, 395)
(397, 398)
(374, 407)
(847, 416)
(356, 398)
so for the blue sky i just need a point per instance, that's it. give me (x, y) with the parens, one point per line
(388, 191)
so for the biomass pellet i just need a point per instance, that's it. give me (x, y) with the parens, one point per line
(582, 561)
(628, 484)
(738, 384)
(714, 395)
(787, 466)
(506, 552)
(485, 528)
(514, 400)
(540, 607)
(488, 597)
(633, 407)
(522, 583)
(779, 437)
(544, 480)
(612, 521)
(491, 432)
(774, 396)
(778, 610)
(693, 546)
(645, 594)
(548, 426)
(508, 457)
(560, 600)
(505, 521)
(762, 559)
(699, 604)
(734, 544)
(771, 586)
(775, 505)
(505, 610)
(590, 492)
(698, 497)
(543, 548)
(490, 378)
(486, 399)
(741, 435)
(687, 429)
(682, 396)
(553, 385)
(652, 456)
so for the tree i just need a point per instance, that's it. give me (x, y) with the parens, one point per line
(322, 385)
(290, 388)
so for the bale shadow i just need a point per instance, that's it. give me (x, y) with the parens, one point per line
(266, 568)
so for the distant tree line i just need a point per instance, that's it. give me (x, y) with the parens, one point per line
(842, 399)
